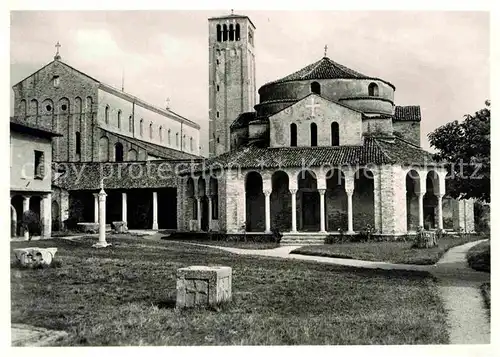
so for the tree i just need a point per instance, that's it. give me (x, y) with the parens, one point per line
(465, 148)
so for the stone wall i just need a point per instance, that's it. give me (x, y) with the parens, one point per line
(409, 130)
(332, 89)
(350, 123)
(66, 106)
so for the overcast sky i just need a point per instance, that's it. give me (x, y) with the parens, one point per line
(438, 60)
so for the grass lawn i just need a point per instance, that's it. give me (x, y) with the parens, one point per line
(392, 252)
(124, 295)
(478, 257)
(241, 245)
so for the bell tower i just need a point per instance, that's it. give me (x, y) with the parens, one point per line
(231, 65)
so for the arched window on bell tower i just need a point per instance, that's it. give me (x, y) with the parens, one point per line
(224, 33)
(316, 88)
(335, 134)
(231, 32)
(219, 33)
(78, 143)
(373, 90)
(293, 134)
(314, 134)
(237, 34)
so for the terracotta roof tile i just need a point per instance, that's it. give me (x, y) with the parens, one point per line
(407, 113)
(325, 68)
(373, 151)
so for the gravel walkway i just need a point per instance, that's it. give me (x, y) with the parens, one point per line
(458, 285)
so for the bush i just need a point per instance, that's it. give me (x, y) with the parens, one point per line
(277, 235)
(31, 222)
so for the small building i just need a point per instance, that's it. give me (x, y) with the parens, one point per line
(30, 174)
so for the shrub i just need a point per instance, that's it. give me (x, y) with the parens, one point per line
(31, 222)
(277, 235)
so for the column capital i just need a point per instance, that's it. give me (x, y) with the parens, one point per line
(293, 191)
(349, 191)
(321, 191)
(267, 192)
(420, 193)
(26, 197)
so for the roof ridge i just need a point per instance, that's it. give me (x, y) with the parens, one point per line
(382, 150)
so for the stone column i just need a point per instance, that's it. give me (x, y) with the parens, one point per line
(102, 220)
(209, 212)
(421, 209)
(440, 210)
(96, 208)
(46, 215)
(267, 194)
(155, 211)
(349, 192)
(26, 207)
(124, 207)
(322, 210)
(293, 191)
(198, 212)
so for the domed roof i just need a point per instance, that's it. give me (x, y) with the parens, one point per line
(325, 68)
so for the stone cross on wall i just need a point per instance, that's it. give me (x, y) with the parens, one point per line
(313, 106)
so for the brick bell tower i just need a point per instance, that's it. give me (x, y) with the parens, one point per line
(231, 64)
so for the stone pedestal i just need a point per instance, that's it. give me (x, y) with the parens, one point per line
(34, 256)
(425, 240)
(203, 286)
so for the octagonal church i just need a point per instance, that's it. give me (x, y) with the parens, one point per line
(325, 150)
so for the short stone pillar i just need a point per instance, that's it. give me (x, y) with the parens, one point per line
(33, 256)
(203, 286)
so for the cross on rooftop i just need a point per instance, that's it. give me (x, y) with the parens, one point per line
(58, 45)
(232, 11)
(168, 103)
(313, 106)
(326, 49)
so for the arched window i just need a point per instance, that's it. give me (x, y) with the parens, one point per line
(119, 119)
(224, 33)
(130, 124)
(373, 90)
(177, 139)
(168, 136)
(219, 33)
(293, 134)
(160, 133)
(314, 134)
(335, 134)
(106, 114)
(231, 32)
(151, 130)
(237, 32)
(118, 152)
(141, 127)
(78, 143)
(191, 144)
(33, 107)
(316, 88)
(22, 108)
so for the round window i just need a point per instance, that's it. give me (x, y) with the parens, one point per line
(64, 107)
(48, 107)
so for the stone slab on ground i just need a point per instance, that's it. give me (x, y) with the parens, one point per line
(203, 286)
(31, 336)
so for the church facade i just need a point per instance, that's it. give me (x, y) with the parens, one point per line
(325, 150)
(103, 131)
